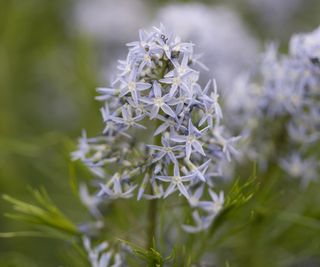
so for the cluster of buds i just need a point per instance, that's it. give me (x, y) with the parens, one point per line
(162, 132)
(284, 96)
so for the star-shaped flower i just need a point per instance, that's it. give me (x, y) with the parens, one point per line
(190, 140)
(130, 85)
(176, 181)
(117, 190)
(158, 102)
(127, 118)
(165, 150)
(213, 207)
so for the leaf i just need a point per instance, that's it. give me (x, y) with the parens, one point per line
(22, 234)
(238, 196)
(151, 256)
(44, 215)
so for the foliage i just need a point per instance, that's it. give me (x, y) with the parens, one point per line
(48, 72)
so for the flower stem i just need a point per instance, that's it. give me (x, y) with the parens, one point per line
(153, 206)
(152, 217)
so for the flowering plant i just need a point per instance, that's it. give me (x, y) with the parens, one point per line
(280, 108)
(162, 131)
(164, 147)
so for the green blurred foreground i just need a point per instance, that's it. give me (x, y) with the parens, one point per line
(46, 78)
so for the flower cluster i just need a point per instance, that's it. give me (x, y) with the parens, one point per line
(281, 105)
(162, 129)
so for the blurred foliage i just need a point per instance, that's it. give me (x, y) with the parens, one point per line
(47, 76)
(48, 73)
(149, 256)
(44, 214)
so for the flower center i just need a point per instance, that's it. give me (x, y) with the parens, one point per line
(176, 81)
(216, 206)
(176, 179)
(132, 86)
(130, 121)
(296, 169)
(158, 101)
(191, 138)
(147, 58)
(127, 68)
(181, 70)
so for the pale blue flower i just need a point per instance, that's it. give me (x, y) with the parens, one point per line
(190, 140)
(90, 201)
(199, 172)
(180, 69)
(116, 191)
(130, 85)
(228, 144)
(195, 197)
(165, 150)
(214, 206)
(144, 44)
(128, 119)
(169, 44)
(212, 107)
(83, 148)
(99, 256)
(177, 81)
(304, 169)
(201, 223)
(176, 182)
(158, 102)
(157, 190)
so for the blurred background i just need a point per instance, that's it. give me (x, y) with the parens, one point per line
(53, 54)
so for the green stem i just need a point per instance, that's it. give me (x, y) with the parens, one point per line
(152, 217)
(153, 206)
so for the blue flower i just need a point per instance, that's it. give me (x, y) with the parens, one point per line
(176, 181)
(158, 102)
(165, 150)
(190, 140)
